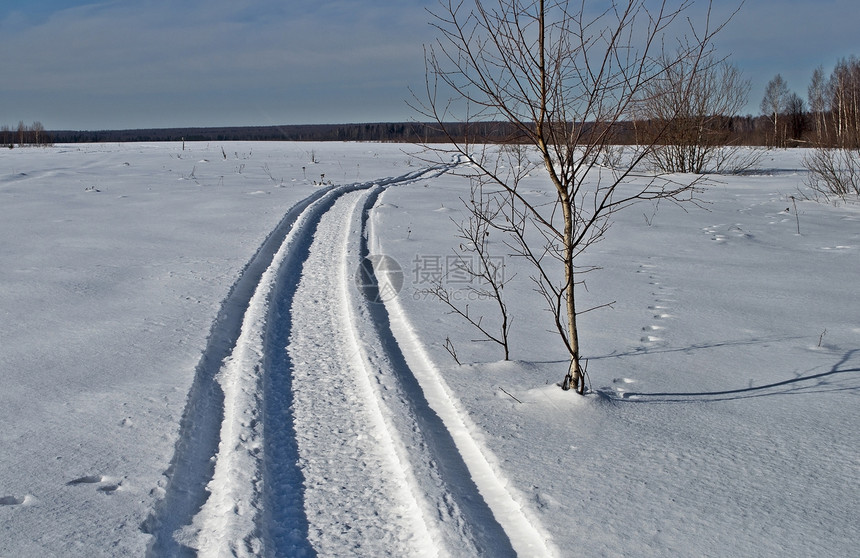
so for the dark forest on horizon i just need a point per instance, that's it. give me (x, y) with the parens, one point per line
(743, 130)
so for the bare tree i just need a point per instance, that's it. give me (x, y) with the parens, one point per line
(795, 117)
(691, 106)
(38, 133)
(834, 164)
(844, 89)
(773, 104)
(485, 272)
(834, 171)
(818, 103)
(565, 79)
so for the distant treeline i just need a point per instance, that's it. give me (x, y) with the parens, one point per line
(738, 130)
(747, 130)
(371, 132)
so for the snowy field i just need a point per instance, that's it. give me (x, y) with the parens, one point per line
(193, 360)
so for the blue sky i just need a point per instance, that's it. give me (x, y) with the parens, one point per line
(84, 64)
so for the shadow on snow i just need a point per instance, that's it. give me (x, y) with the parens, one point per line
(832, 380)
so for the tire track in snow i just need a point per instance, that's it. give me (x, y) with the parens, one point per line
(464, 525)
(192, 467)
(477, 483)
(356, 492)
(320, 435)
(309, 351)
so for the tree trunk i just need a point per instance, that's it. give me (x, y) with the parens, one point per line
(574, 378)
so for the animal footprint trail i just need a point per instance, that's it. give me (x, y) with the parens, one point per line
(723, 232)
(653, 333)
(715, 232)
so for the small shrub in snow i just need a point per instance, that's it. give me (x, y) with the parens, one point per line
(834, 171)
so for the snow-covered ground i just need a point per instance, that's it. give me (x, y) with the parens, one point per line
(193, 356)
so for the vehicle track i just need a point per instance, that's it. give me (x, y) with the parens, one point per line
(306, 430)
(477, 483)
(192, 465)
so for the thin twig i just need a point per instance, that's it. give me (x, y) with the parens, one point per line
(796, 215)
(509, 395)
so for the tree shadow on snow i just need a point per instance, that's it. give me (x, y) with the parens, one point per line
(643, 350)
(836, 379)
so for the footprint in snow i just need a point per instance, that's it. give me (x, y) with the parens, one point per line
(650, 339)
(88, 479)
(109, 486)
(12, 500)
(620, 389)
(623, 381)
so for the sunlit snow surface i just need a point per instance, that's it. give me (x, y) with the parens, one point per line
(722, 418)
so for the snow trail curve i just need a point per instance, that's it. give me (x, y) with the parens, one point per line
(306, 431)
